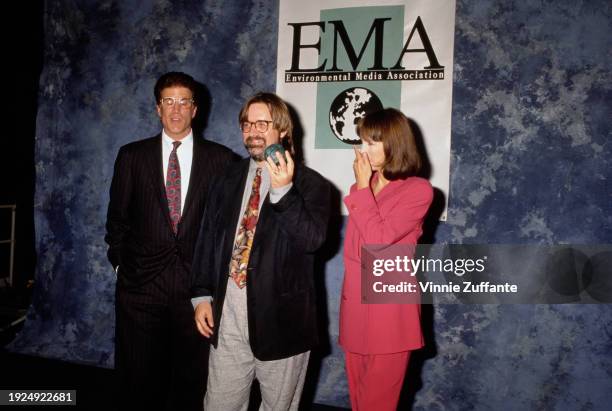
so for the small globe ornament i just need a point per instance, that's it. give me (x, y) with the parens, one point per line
(271, 150)
(347, 108)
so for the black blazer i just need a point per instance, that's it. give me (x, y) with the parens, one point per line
(280, 284)
(138, 228)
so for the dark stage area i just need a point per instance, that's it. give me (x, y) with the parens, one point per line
(24, 372)
(94, 385)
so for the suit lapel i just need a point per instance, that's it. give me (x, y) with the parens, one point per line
(198, 162)
(157, 176)
(235, 186)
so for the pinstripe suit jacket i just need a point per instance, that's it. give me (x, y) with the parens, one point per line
(138, 228)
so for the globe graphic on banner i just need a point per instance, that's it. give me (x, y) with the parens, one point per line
(346, 110)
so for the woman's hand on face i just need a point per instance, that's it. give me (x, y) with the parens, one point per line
(362, 169)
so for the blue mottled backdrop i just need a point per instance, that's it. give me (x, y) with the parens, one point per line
(531, 163)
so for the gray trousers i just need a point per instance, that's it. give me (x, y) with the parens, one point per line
(232, 366)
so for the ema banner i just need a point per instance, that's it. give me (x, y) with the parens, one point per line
(339, 60)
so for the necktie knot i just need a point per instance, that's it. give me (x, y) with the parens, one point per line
(175, 145)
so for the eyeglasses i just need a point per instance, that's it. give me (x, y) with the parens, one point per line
(182, 101)
(260, 125)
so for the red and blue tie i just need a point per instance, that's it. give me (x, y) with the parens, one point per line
(173, 187)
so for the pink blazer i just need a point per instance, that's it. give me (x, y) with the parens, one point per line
(394, 216)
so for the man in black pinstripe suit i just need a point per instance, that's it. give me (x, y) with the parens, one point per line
(157, 197)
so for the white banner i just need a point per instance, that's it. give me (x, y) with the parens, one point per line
(338, 60)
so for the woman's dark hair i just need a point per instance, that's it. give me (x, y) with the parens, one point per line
(390, 126)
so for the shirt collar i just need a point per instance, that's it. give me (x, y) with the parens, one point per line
(185, 141)
(253, 166)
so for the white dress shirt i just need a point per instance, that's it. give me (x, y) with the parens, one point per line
(184, 152)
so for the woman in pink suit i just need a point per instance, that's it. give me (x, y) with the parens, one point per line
(386, 205)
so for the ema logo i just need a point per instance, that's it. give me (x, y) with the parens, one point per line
(380, 57)
(357, 57)
(346, 110)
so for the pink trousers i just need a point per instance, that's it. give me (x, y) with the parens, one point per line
(375, 380)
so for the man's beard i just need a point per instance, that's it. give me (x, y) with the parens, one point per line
(253, 143)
